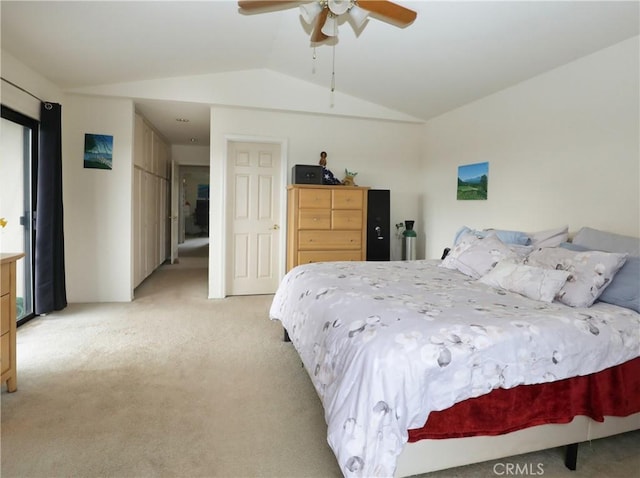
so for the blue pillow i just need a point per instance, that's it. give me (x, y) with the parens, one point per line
(512, 237)
(460, 232)
(624, 289)
(507, 237)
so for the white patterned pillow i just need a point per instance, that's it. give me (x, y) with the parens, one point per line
(476, 256)
(590, 272)
(534, 282)
(462, 243)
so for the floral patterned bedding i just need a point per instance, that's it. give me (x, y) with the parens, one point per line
(385, 343)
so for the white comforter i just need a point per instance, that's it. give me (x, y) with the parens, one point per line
(385, 343)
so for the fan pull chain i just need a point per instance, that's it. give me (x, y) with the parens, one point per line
(333, 78)
(333, 70)
(313, 63)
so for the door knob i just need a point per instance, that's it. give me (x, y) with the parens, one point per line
(275, 227)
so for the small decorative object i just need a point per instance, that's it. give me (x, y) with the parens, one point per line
(98, 151)
(3, 222)
(349, 179)
(327, 175)
(473, 181)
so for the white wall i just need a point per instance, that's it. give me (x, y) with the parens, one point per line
(563, 148)
(27, 79)
(98, 203)
(191, 155)
(385, 154)
(264, 89)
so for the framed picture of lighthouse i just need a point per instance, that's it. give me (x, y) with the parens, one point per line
(98, 151)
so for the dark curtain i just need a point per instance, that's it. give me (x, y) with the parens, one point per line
(50, 292)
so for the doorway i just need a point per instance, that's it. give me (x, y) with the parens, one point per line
(193, 217)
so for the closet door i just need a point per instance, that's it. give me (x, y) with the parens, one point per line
(138, 228)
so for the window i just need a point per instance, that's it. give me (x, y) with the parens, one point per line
(18, 150)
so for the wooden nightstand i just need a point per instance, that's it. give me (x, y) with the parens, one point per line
(8, 319)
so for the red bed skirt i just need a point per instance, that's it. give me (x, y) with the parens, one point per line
(611, 392)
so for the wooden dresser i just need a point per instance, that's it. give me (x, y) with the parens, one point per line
(326, 223)
(8, 319)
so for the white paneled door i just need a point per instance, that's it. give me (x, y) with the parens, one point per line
(253, 249)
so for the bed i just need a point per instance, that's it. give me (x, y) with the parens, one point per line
(389, 344)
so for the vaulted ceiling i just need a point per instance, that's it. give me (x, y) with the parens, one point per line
(454, 52)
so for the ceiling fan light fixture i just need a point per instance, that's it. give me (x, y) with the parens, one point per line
(358, 15)
(309, 11)
(338, 7)
(330, 27)
(323, 15)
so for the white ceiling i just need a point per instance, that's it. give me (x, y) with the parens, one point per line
(454, 53)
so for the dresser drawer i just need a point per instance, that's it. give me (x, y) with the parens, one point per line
(5, 279)
(5, 313)
(314, 219)
(346, 219)
(314, 198)
(329, 240)
(306, 257)
(347, 199)
(5, 352)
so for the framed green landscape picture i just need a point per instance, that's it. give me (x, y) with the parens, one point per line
(473, 181)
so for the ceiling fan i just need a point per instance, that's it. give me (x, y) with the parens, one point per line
(324, 14)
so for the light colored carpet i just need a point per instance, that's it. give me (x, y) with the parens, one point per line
(193, 253)
(175, 385)
(194, 246)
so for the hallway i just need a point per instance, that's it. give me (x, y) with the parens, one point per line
(193, 253)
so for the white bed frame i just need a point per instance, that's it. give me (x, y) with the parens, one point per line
(431, 455)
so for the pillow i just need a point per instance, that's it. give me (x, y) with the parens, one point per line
(591, 272)
(476, 256)
(511, 237)
(624, 289)
(520, 251)
(460, 234)
(607, 241)
(549, 237)
(534, 282)
(506, 236)
(574, 247)
(461, 243)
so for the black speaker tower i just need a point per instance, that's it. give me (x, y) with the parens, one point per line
(378, 225)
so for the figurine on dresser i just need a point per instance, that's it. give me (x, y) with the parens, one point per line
(327, 175)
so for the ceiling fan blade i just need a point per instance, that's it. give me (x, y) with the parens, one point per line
(317, 35)
(249, 5)
(389, 11)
